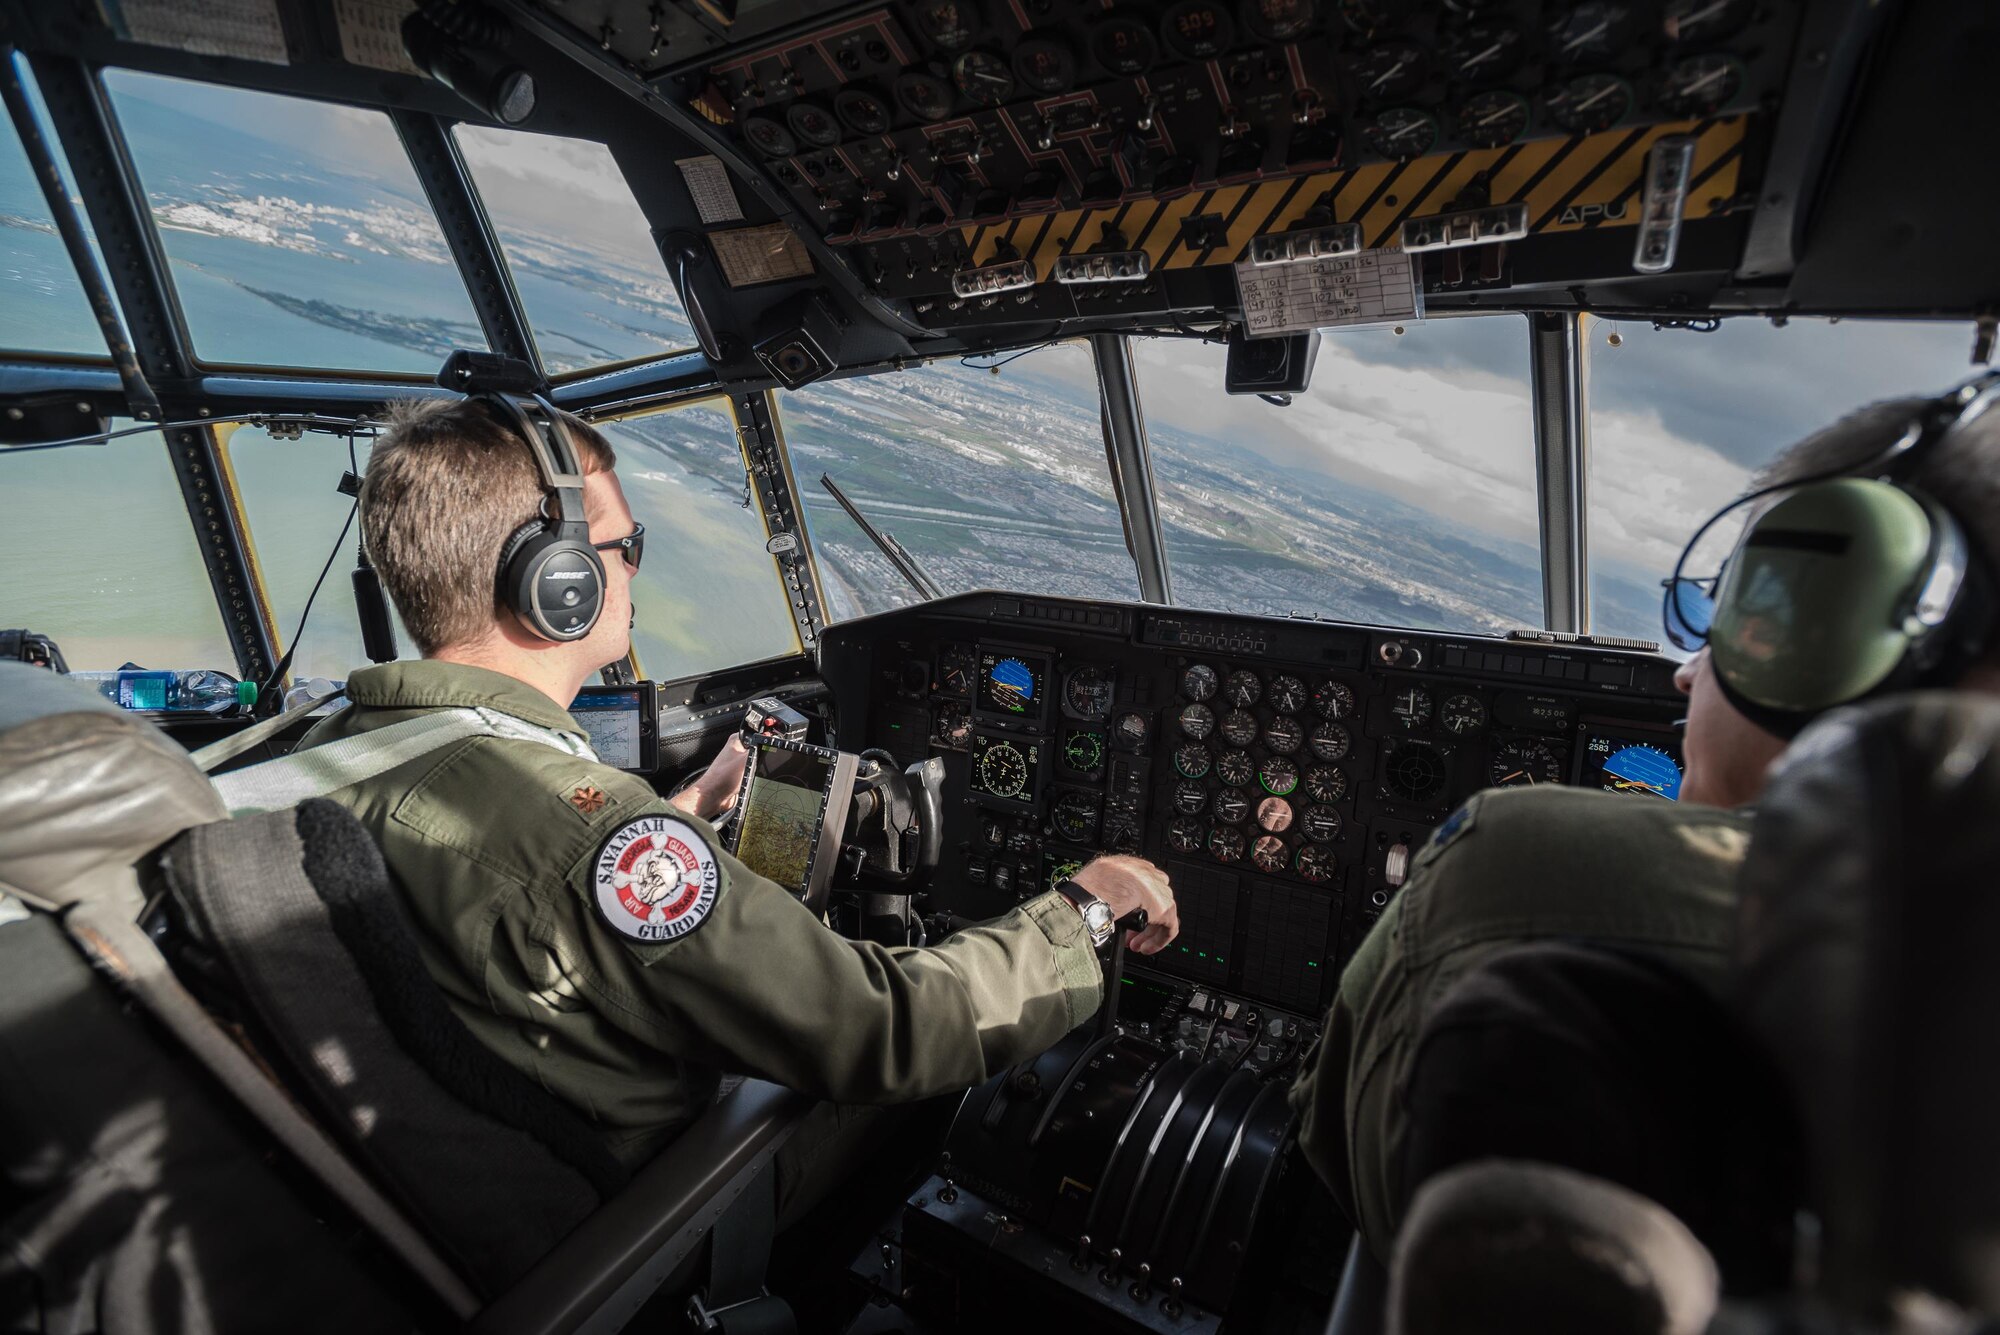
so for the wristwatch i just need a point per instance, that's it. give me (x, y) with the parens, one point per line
(1098, 919)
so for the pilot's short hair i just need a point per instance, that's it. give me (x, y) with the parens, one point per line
(446, 485)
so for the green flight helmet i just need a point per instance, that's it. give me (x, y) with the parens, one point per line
(1827, 595)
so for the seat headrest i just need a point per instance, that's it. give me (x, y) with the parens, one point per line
(1870, 916)
(85, 788)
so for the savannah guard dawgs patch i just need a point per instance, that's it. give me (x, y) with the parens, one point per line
(655, 880)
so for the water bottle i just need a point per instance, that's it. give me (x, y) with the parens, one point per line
(162, 692)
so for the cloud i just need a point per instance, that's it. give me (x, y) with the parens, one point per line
(568, 187)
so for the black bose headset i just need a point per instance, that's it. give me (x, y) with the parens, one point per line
(549, 574)
(1854, 583)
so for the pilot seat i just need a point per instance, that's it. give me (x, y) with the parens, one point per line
(232, 1093)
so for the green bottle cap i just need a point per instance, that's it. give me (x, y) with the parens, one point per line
(246, 695)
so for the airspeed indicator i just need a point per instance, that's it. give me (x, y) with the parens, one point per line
(1520, 763)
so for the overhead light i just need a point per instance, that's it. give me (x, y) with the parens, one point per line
(1669, 165)
(459, 46)
(991, 279)
(1468, 227)
(1108, 266)
(1312, 243)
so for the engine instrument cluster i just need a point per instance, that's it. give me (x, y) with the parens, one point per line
(1283, 772)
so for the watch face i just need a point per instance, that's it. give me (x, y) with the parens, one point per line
(1098, 920)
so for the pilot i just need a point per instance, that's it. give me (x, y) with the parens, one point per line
(592, 932)
(1657, 878)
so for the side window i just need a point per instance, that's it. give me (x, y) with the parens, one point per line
(1400, 490)
(580, 250)
(1680, 422)
(292, 502)
(708, 595)
(296, 231)
(44, 309)
(990, 481)
(128, 583)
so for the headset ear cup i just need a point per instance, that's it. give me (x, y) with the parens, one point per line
(556, 586)
(509, 581)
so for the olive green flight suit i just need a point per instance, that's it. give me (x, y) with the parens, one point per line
(496, 845)
(1511, 866)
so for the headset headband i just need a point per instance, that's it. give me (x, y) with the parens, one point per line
(553, 450)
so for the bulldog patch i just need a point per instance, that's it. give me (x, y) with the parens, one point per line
(655, 880)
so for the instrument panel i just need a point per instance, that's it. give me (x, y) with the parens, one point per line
(937, 134)
(1283, 772)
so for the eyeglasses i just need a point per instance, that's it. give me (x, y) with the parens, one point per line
(632, 546)
(1689, 608)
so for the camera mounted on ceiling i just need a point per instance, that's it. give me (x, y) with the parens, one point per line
(463, 46)
(1275, 368)
(804, 351)
(549, 574)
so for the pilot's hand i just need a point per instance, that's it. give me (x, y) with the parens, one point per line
(715, 791)
(1127, 883)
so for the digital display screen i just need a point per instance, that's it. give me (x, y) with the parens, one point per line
(614, 723)
(1014, 685)
(783, 812)
(1635, 764)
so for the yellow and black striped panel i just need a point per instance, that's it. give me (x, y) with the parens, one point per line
(1567, 184)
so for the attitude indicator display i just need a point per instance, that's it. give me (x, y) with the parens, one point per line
(1636, 766)
(1013, 685)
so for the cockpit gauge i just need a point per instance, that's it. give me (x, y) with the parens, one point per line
(1689, 21)
(1186, 834)
(1230, 806)
(1192, 760)
(983, 77)
(1274, 814)
(1004, 768)
(1056, 869)
(1239, 727)
(1284, 735)
(1638, 769)
(1226, 844)
(1124, 46)
(1324, 784)
(1389, 71)
(1411, 707)
(1517, 764)
(1045, 65)
(1197, 721)
(1287, 694)
(1333, 700)
(1280, 20)
(1463, 713)
(1278, 775)
(813, 124)
(952, 24)
(1190, 797)
(1198, 29)
(1401, 132)
(957, 664)
(1481, 51)
(1415, 771)
(862, 111)
(951, 726)
(1320, 824)
(1269, 854)
(1083, 751)
(1200, 682)
(1074, 817)
(1593, 30)
(1590, 102)
(1316, 864)
(924, 96)
(768, 137)
(1131, 730)
(1087, 693)
(1235, 768)
(1329, 741)
(1369, 16)
(1243, 689)
(1491, 119)
(1700, 85)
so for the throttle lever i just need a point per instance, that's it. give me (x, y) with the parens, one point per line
(1107, 1013)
